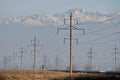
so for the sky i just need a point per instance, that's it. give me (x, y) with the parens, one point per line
(13, 36)
(13, 8)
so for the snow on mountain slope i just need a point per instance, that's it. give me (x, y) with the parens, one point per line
(57, 19)
(30, 21)
(85, 16)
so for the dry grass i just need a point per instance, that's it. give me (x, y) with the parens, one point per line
(29, 75)
(51, 75)
(81, 76)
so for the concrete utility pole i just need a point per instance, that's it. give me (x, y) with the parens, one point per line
(34, 53)
(71, 27)
(71, 44)
(22, 51)
(35, 45)
(115, 57)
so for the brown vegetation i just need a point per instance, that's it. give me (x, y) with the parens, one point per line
(29, 75)
(91, 77)
(51, 75)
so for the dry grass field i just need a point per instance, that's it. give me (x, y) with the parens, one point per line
(51, 75)
(30, 75)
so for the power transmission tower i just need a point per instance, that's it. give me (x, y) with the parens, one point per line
(9, 62)
(45, 61)
(90, 58)
(14, 59)
(22, 51)
(61, 64)
(115, 57)
(34, 45)
(57, 63)
(71, 27)
(5, 62)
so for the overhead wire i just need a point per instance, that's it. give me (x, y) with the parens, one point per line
(106, 41)
(52, 38)
(97, 39)
(110, 26)
(49, 41)
(91, 32)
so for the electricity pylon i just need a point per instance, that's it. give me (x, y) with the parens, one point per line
(61, 63)
(115, 52)
(34, 45)
(45, 61)
(71, 27)
(10, 62)
(14, 59)
(57, 63)
(5, 63)
(90, 58)
(22, 51)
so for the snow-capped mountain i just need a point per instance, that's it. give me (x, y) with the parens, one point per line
(85, 16)
(57, 19)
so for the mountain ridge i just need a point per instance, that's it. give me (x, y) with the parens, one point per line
(57, 19)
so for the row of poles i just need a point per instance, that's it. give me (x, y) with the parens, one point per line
(58, 60)
(22, 51)
(71, 27)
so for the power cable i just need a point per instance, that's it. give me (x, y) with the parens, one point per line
(99, 38)
(103, 28)
(106, 41)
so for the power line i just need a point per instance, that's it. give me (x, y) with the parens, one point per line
(106, 41)
(99, 38)
(103, 28)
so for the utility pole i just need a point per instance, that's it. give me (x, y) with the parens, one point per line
(22, 51)
(71, 45)
(34, 45)
(115, 57)
(71, 27)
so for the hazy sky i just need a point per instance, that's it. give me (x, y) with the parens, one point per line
(9, 8)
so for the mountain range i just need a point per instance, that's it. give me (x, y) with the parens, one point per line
(57, 19)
